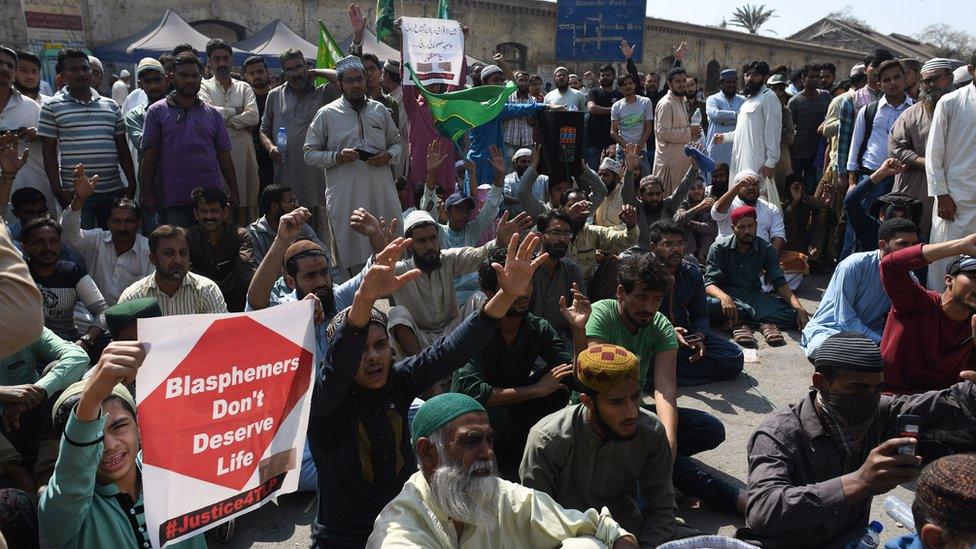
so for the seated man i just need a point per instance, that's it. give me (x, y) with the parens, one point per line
(814, 467)
(358, 429)
(631, 451)
(702, 356)
(855, 300)
(694, 215)
(25, 395)
(95, 496)
(276, 201)
(651, 202)
(115, 258)
(457, 494)
(926, 340)
(427, 307)
(634, 322)
(219, 249)
(735, 296)
(944, 507)
(26, 203)
(809, 221)
(179, 291)
(553, 283)
(63, 283)
(505, 378)
(520, 162)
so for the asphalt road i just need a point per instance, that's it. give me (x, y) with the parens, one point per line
(773, 377)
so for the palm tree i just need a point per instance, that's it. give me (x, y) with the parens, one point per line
(751, 17)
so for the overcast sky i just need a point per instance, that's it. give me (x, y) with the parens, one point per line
(887, 16)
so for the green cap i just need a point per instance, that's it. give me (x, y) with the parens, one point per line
(124, 314)
(77, 387)
(439, 411)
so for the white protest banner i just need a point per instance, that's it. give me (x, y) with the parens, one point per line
(223, 404)
(434, 48)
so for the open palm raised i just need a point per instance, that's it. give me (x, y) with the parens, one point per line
(516, 275)
(381, 278)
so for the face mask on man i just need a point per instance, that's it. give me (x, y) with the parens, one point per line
(855, 408)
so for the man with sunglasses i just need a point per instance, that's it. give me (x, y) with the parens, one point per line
(911, 131)
(927, 339)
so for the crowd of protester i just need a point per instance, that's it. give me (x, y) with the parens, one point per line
(501, 348)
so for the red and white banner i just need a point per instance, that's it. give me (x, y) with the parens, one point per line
(223, 404)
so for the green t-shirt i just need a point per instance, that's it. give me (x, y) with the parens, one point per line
(658, 336)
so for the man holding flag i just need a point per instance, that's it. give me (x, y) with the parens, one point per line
(292, 107)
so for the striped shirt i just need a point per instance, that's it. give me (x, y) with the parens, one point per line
(86, 135)
(197, 295)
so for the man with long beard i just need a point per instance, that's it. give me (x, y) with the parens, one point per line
(457, 499)
(911, 132)
(758, 128)
(631, 449)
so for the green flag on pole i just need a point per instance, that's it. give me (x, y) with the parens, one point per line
(384, 19)
(443, 10)
(329, 52)
(457, 112)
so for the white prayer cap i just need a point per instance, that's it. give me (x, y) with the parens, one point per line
(488, 71)
(124, 74)
(961, 76)
(95, 63)
(349, 62)
(745, 174)
(610, 164)
(417, 217)
(938, 63)
(563, 69)
(858, 69)
(520, 153)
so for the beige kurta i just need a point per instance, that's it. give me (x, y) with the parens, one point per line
(355, 184)
(238, 97)
(672, 131)
(526, 519)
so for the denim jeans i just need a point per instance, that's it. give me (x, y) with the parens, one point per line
(97, 208)
(723, 360)
(850, 237)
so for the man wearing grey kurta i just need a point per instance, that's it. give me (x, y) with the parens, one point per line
(355, 140)
(292, 106)
(594, 455)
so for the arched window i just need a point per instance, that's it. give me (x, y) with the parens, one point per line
(712, 75)
(514, 53)
(225, 30)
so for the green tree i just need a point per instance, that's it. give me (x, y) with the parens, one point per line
(948, 41)
(751, 17)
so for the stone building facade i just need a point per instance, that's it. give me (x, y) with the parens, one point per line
(524, 30)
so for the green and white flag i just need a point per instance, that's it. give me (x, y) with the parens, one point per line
(329, 52)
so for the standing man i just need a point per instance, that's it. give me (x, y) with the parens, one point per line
(27, 81)
(355, 140)
(672, 131)
(19, 112)
(256, 74)
(911, 132)
(235, 102)
(220, 250)
(178, 291)
(187, 140)
(631, 120)
(78, 126)
(723, 109)
(869, 142)
(599, 101)
(950, 166)
(808, 108)
(292, 107)
(759, 126)
(518, 131)
(120, 88)
(153, 82)
(562, 94)
(393, 88)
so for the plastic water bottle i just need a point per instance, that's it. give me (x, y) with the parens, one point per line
(900, 512)
(281, 141)
(696, 117)
(871, 538)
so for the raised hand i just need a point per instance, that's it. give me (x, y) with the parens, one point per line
(576, 315)
(381, 278)
(290, 225)
(84, 187)
(10, 161)
(356, 20)
(628, 215)
(632, 156)
(497, 160)
(580, 209)
(434, 156)
(365, 223)
(516, 275)
(681, 50)
(508, 228)
(626, 49)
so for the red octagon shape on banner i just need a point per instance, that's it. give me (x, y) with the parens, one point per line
(168, 426)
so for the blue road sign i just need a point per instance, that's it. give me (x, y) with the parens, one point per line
(591, 30)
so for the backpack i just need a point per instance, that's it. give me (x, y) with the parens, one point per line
(869, 113)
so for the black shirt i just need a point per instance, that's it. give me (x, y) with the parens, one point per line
(598, 127)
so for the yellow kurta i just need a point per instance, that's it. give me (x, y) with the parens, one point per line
(238, 97)
(672, 131)
(526, 519)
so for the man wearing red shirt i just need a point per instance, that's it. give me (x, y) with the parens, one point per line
(927, 340)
